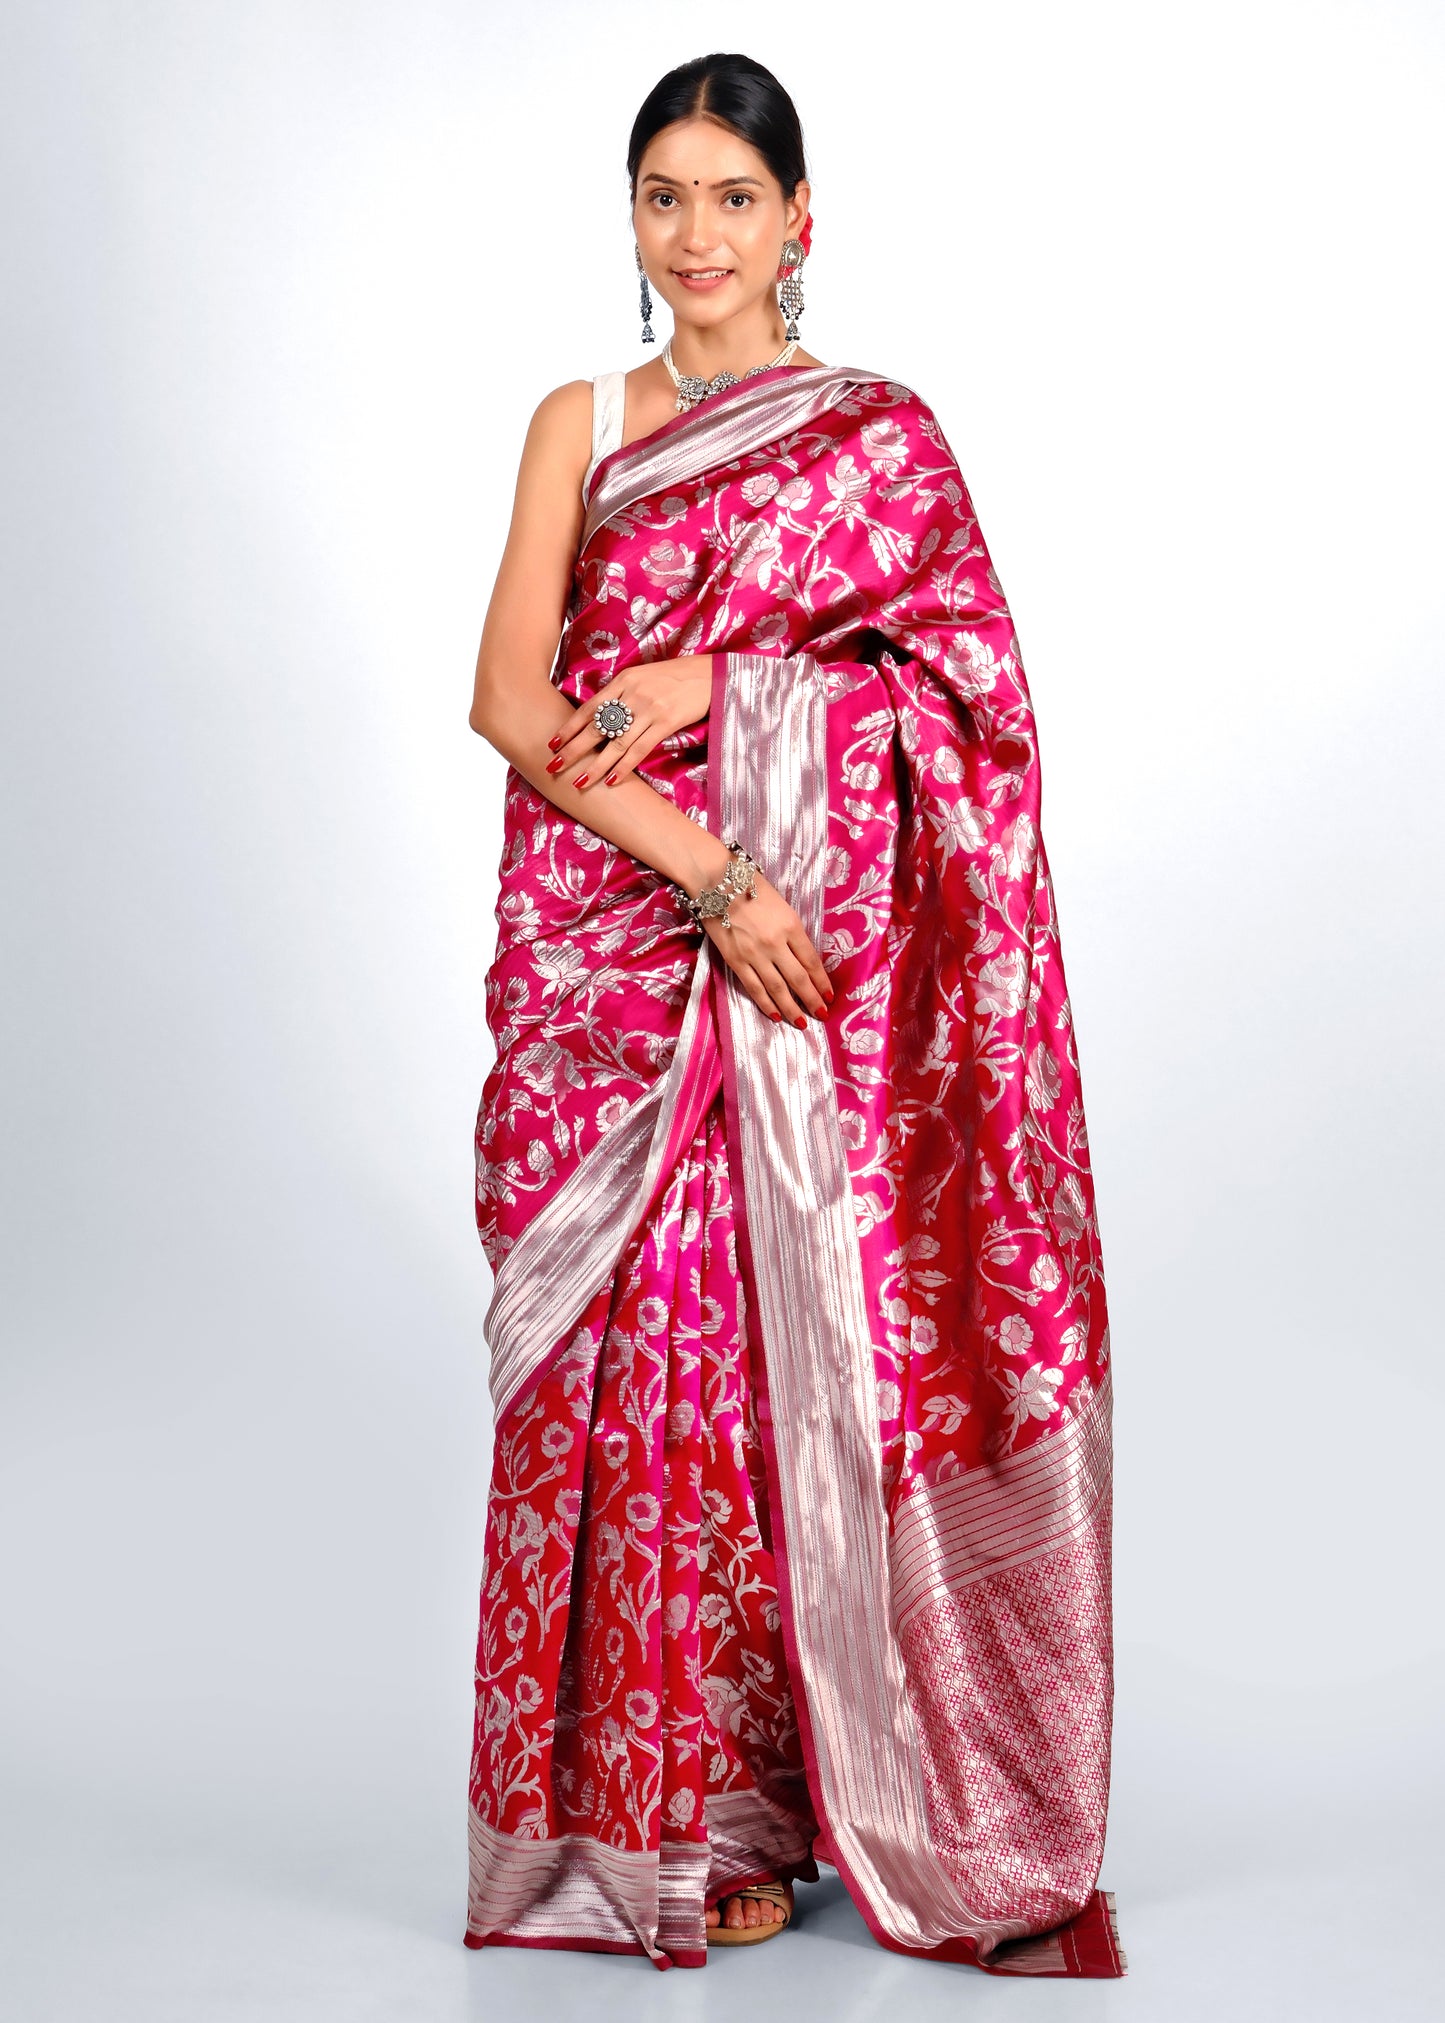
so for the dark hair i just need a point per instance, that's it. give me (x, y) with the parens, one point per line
(740, 93)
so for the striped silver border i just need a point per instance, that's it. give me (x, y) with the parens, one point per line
(570, 1248)
(812, 1317)
(950, 1534)
(716, 431)
(574, 1886)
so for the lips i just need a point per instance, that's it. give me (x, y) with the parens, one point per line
(699, 279)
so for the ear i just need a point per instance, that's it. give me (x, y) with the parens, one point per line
(796, 209)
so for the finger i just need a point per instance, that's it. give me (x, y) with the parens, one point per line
(748, 977)
(575, 763)
(813, 963)
(576, 744)
(594, 761)
(580, 739)
(801, 984)
(776, 986)
(622, 748)
(633, 745)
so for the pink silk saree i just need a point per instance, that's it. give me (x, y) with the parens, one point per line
(798, 1537)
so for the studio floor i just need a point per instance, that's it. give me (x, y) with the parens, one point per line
(1251, 1883)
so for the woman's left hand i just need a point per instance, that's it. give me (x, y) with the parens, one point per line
(663, 695)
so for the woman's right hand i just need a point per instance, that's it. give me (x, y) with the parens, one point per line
(768, 950)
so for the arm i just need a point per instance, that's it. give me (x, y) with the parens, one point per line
(514, 705)
(518, 711)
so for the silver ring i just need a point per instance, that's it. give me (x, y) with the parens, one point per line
(611, 719)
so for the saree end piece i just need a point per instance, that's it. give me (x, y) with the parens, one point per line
(1086, 1948)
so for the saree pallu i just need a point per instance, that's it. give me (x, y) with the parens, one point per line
(798, 1537)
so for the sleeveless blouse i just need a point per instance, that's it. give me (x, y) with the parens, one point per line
(607, 398)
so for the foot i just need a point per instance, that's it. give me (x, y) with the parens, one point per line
(735, 1912)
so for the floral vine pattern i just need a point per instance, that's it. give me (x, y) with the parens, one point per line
(630, 1660)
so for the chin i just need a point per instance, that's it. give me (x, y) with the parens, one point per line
(707, 311)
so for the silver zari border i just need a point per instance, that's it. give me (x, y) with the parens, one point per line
(575, 1887)
(742, 419)
(947, 1535)
(570, 1248)
(812, 1318)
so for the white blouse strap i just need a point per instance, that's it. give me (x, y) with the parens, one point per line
(608, 396)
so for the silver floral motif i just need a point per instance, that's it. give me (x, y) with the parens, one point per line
(973, 1122)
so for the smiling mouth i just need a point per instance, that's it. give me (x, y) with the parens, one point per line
(701, 273)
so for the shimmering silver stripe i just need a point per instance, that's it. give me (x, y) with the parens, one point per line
(947, 1534)
(818, 1351)
(576, 1887)
(570, 1248)
(747, 1831)
(714, 434)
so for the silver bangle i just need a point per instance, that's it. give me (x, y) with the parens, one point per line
(713, 901)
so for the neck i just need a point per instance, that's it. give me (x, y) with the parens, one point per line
(734, 346)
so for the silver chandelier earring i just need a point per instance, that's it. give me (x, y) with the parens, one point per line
(790, 295)
(647, 336)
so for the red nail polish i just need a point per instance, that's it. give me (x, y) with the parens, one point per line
(554, 765)
(580, 781)
(552, 743)
(612, 779)
(801, 1024)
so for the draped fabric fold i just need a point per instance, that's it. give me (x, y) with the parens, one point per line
(798, 1540)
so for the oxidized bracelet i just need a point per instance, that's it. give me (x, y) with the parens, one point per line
(713, 901)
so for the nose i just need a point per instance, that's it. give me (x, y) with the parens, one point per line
(698, 233)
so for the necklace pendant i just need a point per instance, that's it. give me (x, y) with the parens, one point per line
(691, 389)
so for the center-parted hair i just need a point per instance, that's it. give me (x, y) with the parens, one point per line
(741, 94)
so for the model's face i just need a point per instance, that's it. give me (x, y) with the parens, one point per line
(711, 219)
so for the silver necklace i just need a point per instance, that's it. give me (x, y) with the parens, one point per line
(691, 389)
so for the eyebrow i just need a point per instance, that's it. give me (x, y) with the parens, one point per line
(727, 183)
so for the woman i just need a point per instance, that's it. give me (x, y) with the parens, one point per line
(798, 1541)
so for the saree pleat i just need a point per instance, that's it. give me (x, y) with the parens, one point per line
(799, 1531)
(641, 1543)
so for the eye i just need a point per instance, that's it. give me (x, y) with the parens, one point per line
(662, 197)
(743, 198)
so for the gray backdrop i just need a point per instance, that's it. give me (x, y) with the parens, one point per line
(283, 284)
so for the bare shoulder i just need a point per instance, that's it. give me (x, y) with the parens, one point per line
(565, 402)
(651, 398)
(560, 432)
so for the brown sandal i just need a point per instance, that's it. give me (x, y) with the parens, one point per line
(779, 1894)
